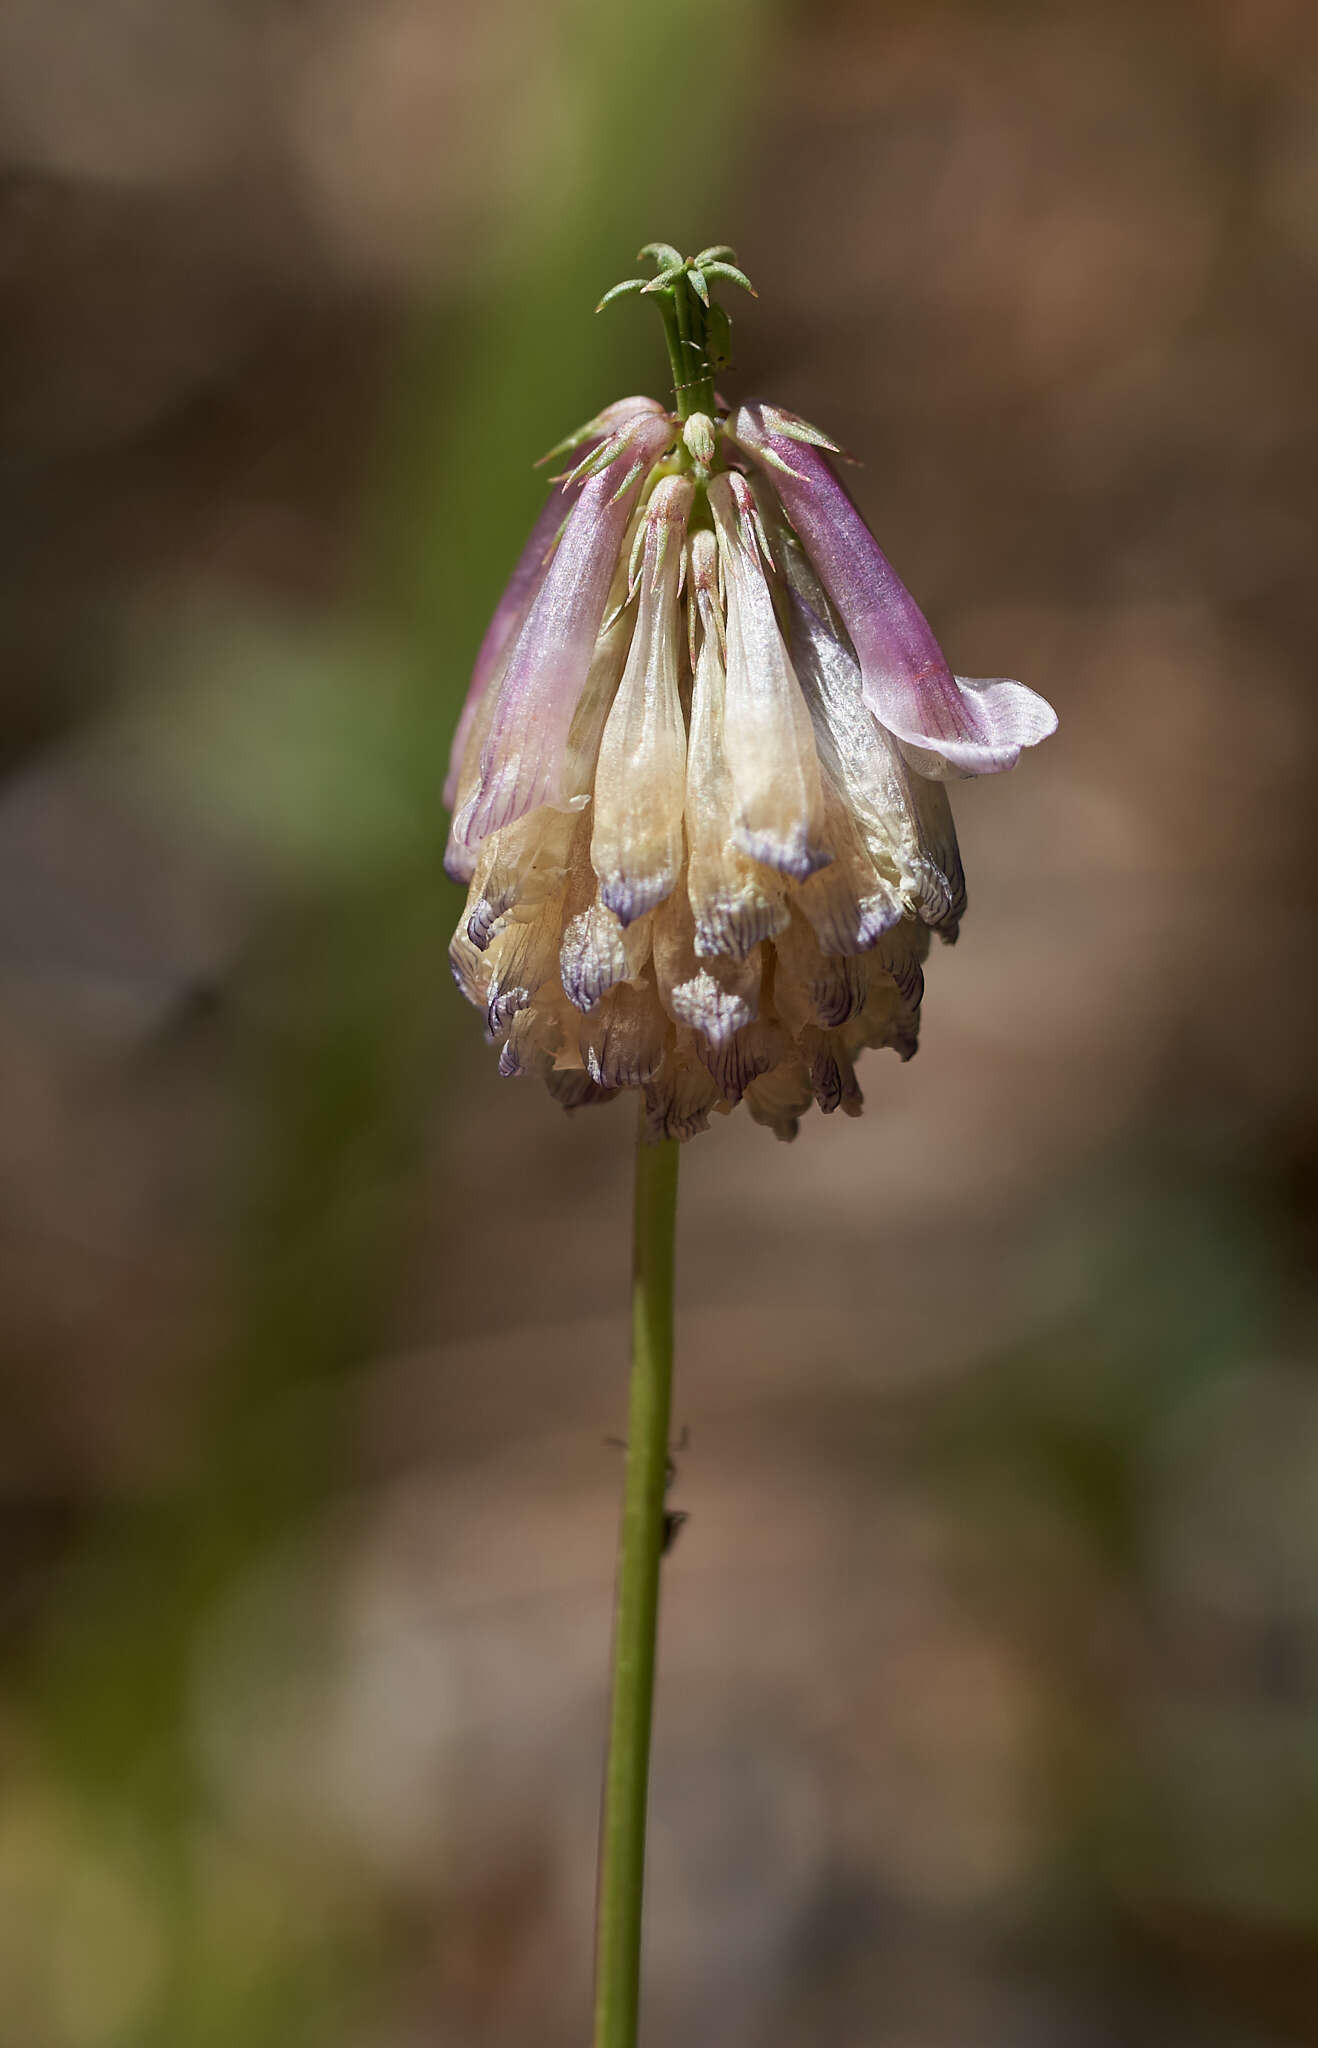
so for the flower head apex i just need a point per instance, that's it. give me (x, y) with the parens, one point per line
(698, 782)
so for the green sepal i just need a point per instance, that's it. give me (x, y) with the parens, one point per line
(665, 281)
(664, 254)
(716, 268)
(716, 252)
(568, 443)
(774, 460)
(698, 285)
(793, 429)
(618, 291)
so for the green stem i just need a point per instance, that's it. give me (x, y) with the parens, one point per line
(622, 1842)
(686, 332)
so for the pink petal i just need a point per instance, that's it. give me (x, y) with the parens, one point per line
(974, 729)
(526, 579)
(522, 761)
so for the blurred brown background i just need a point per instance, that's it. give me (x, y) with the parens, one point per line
(988, 1714)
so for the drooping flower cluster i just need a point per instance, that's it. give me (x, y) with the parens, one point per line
(698, 785)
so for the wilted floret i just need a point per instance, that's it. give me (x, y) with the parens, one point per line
(698, 782)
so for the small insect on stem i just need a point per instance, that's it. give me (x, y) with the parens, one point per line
(674, 1518)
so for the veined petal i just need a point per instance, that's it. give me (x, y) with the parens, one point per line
(523, 958)
(851, 903)
(735, 901)
(625, 1037)
(978, 730)
(470, 968)
(602, 679)
(534, 1036)
(713, 998)
(572, 1088)
(770, 748)
(832, 1074)
(523, 755)
(779, 1098)
(508, 614)
(516, 869)
(813, 987)
(904, 820)
(756, 1049)
(459, 858)
(529, 574)
(901, 953)
(597, 951)
(937, 888)
(681, 1095)
(636, 848)
(885, 1020)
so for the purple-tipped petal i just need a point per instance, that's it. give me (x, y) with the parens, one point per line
(529, 574)
(522, 760)
(976, 729)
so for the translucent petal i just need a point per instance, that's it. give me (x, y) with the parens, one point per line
(522, 759)
(769, 745)
(735, 902)
(681, 1095)
(573, 1088)
(904, 820)
(900, 954)
(741, 1059)
(534, 1036)
(597, 951)
(471, 969)
(714, 998)
(625, 1037)
(850, 904)
(779, 1098)
(832, 1074)
(508, 615)
(812, 987)
(977, 729)
(637, 843)
(522, 957)
(517, 868)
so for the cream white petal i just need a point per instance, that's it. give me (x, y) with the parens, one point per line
(598, 950)
(769, 742)
(812, 987)
(904, 820)
(851, 903)
(522, 957)
(679, 1098)
(779, 1099)
(715, 998)
(624, 1038)
(737, 1061)
(735, 901)
(637, 843)
(832, 1074)
(572, 1088)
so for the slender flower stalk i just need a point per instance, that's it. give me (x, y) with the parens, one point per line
(622, 1830)
(698, 797)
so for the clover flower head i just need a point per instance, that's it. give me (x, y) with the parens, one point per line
(699, 782)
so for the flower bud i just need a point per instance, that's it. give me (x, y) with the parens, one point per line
(701, 438)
